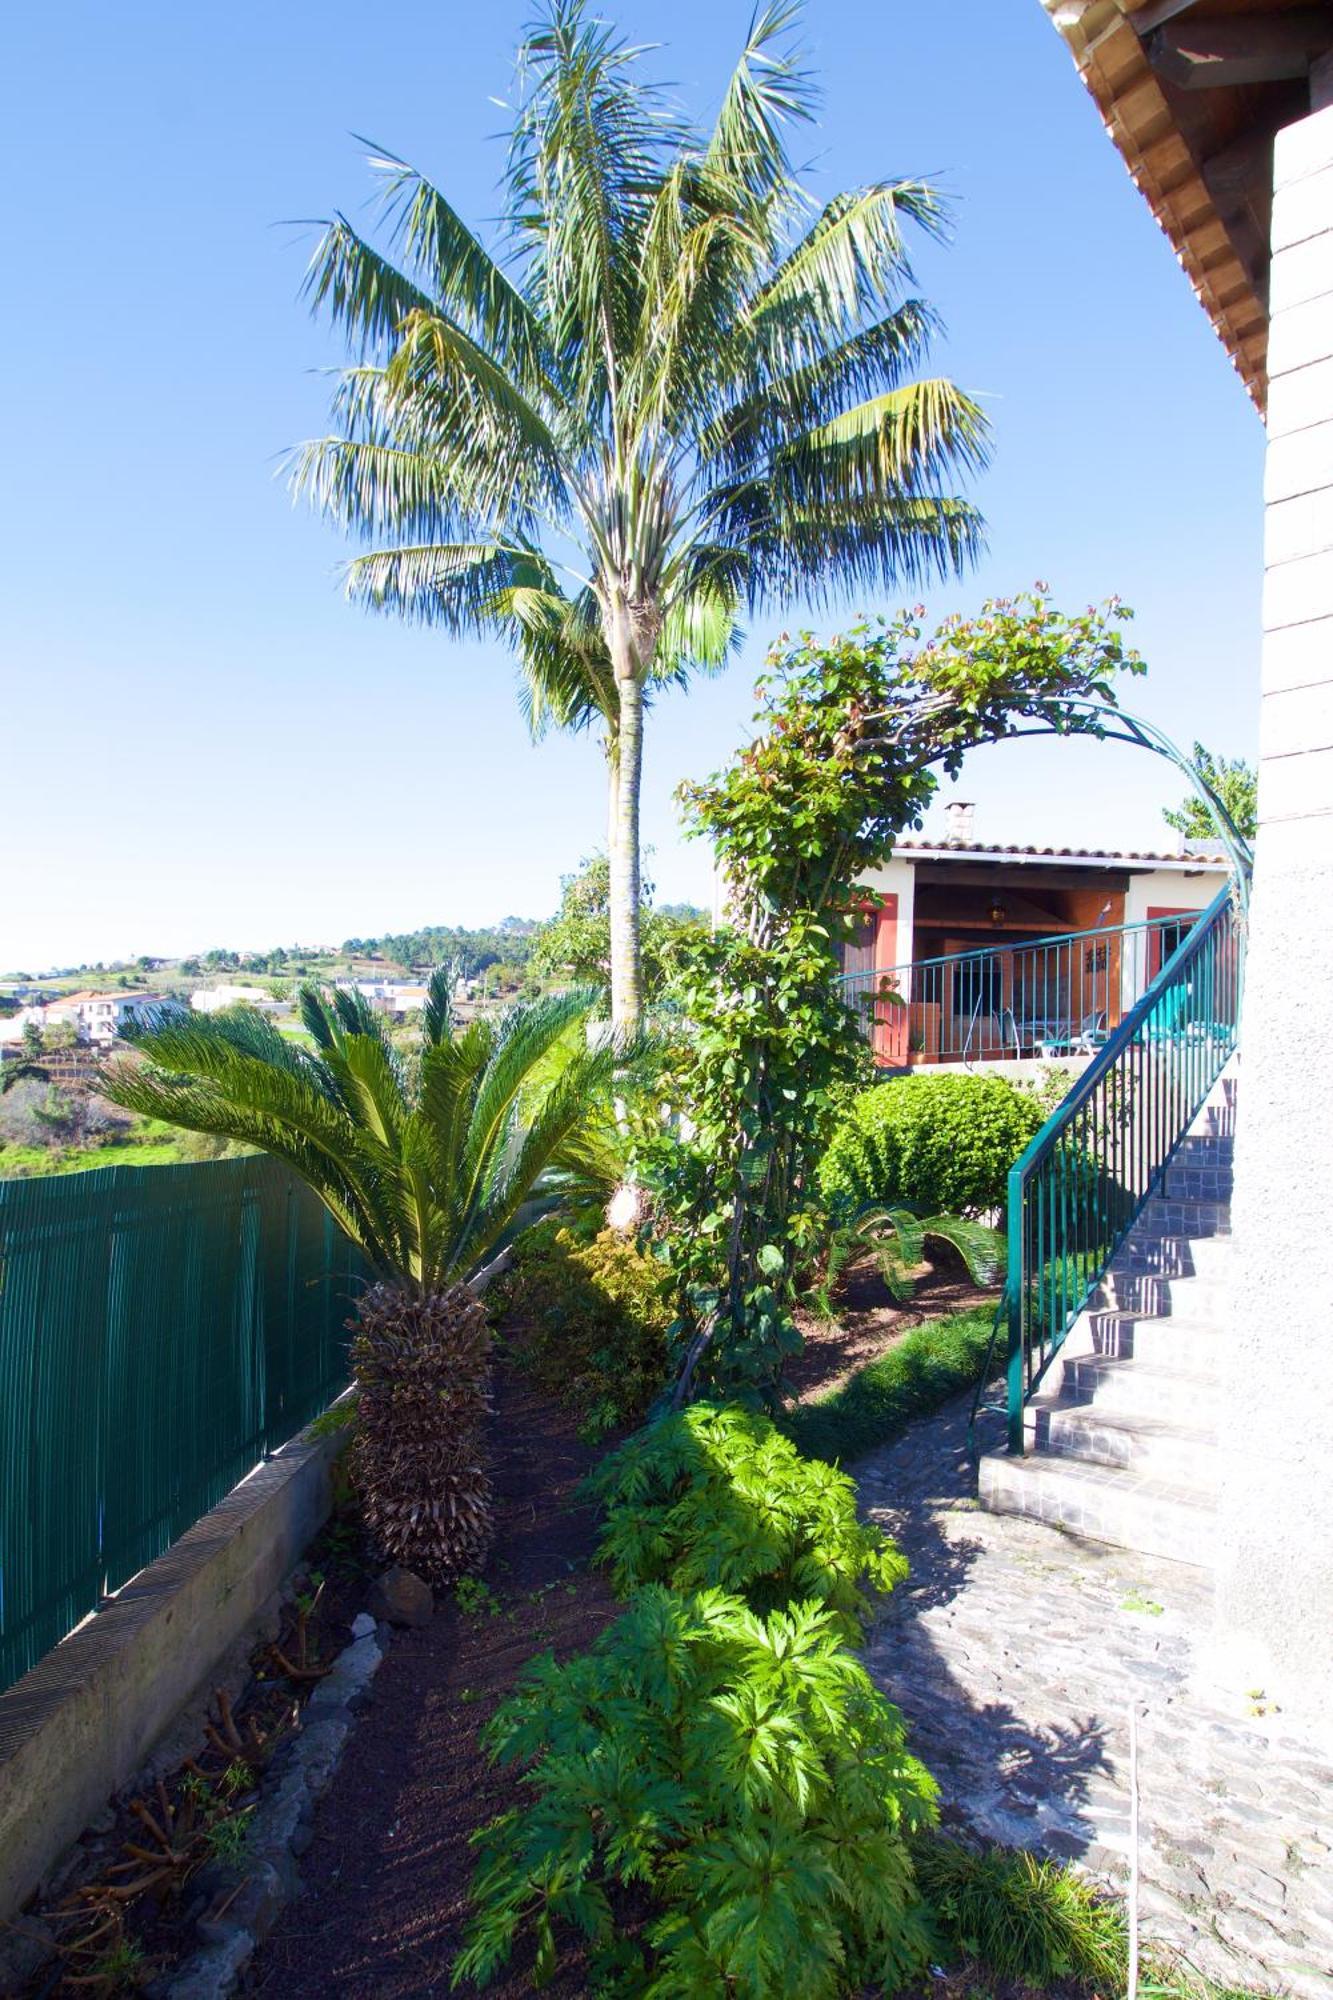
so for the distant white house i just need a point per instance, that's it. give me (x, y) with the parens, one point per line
(212, 999)
(96, 1018)
(11, 1028)
(388, 996)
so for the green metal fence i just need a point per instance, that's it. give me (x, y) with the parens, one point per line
(161, 1329)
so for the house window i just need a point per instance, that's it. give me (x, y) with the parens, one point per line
(978, 987)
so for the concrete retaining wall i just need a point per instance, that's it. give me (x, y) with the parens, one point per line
(82, 1722)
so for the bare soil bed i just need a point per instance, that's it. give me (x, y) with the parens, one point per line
(869, 1322)
(384, 1900)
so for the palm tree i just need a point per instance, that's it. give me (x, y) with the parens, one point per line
(427, 1173)
(685, 393)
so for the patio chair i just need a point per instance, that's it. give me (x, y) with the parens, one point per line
(1091, 1035)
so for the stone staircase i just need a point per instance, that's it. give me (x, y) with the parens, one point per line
(1122, 1437)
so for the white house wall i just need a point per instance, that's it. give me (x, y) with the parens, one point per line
(1276, 1578)
(1171, 889)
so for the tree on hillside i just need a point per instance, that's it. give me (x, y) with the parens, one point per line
(677, 392)
(576, 943)
(1236, 784)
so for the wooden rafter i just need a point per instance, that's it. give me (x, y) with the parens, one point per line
(1240, 49)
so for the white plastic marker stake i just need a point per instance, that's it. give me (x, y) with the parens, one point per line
(1132, 1982)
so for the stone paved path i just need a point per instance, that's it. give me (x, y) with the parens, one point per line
(1015, 1651)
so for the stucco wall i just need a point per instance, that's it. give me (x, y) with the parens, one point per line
(1276, 1576)
(1171, 889)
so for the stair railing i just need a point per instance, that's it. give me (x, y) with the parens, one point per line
(1076, 1192)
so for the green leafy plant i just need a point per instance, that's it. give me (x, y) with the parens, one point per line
(741, 1776)
(851, 735)
(589, 1316)
(673, 371)
(123, 1968)
(1021, 1917)
(475, 1598)
(943, 1142)
(718, 1497)
(226, 1837)
(429, 1170)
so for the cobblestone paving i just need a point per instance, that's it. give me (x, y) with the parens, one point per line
(1016, 1652)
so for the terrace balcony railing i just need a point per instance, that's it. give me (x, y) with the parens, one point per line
(1045, 997)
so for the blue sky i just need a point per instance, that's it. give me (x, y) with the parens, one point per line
(206, 745)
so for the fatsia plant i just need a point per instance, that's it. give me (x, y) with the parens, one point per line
(734, 1779)
(427, 1172)
(716, 1497)
(677, 390)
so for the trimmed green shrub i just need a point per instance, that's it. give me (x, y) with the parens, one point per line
(1022, 1918)
(716, 1496)
(937, 1144)
(591, 1314)
(918, 1374)
(742, 1776)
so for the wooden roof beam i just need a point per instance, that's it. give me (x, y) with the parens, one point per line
(1151, 16)
(1240, 48)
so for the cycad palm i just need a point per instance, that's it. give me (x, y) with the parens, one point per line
(427, 1173)
(689, 395)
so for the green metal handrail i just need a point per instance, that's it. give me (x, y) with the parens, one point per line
(1076, 1192)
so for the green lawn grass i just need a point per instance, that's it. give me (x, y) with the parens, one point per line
(25, 1162)
(919, 1372)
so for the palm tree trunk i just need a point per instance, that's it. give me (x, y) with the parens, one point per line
(626, 780)
(422, 1365)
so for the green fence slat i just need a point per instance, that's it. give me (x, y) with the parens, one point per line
(160, 1329)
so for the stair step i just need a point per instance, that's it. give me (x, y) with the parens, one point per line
(1184, 1455)
(1184, 1215)
(1102, 1503)
(1206, 1149)
(1145, 1388)
(1199, 1301)
(1174, 1255)
(1160, 1340)
(1188, 1182)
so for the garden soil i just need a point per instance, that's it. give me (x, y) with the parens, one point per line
(384, 1897)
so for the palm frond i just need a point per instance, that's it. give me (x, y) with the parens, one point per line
(365, 295)
(461, 274)
(425, 1181)
(768, 90)
(437, 1017)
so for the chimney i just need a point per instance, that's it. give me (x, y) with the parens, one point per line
(959, 815)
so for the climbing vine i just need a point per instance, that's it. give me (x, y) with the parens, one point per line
(852, 736)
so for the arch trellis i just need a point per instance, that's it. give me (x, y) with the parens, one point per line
(1116, 725)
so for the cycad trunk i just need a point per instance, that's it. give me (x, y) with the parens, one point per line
(627, 776)
(422, 1366)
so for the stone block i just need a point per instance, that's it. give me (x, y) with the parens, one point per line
(1296, 720)
(402, 1598)
(1300, 398)
(1302, 209)
(1301, 335)
(1303, 271)
(1296, 788)
(1297, 593)
(1301, 462)
(1302, 149)
(1302, 526)
(1298, 656)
